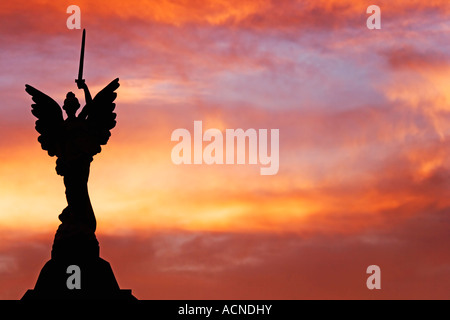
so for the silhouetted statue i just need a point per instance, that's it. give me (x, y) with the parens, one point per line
(74, 141)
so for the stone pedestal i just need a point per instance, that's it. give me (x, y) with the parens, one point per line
(76, 246)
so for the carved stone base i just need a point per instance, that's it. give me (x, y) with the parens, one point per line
(97, 281)
(74, 246)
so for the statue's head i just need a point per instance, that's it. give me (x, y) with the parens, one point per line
(71, 104)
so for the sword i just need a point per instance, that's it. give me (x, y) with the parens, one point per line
(80, 79)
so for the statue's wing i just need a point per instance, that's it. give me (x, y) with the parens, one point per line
(50, 121)
(101, 118)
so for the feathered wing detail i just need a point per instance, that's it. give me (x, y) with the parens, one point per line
(50, 121)
(101, 118)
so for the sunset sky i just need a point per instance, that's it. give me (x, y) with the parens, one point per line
(364, 122)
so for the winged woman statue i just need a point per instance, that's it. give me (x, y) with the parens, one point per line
(74, 141)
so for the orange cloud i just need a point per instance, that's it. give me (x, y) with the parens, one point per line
(250, 13)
